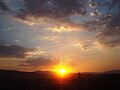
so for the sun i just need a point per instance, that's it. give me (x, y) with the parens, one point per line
(62, 70)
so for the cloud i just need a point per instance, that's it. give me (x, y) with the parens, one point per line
(93, 4)
(51, 8)
(13, 51)
(113, 3)
(39, 57)
(64, 27)
(107, 28)
(95, 13)
(110, 35)
(40, 61)
(54, 15)
(84, 45)
(3, 7)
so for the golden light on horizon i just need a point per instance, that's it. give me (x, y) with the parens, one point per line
(63, 28)
(62, 70)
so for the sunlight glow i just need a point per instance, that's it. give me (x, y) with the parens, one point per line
(62, 70)
(65, 28)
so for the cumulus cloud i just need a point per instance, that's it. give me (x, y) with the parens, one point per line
(110, 35)
(84, 45)
(13, 51)
(93, 4)
(107, 24)
(3, 7)
(39, 57)
(113, 3)
(51, 8)
(41, 61)
(107, 28)
(28, 57)
(95, 13)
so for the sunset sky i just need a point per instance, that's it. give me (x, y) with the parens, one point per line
(83, 35)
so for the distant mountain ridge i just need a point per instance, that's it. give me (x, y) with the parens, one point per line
(113, 72)
(45, 80)
(20, 74)
(11, 73)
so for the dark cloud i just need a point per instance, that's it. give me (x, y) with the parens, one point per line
(13, 51)
(110, 35)
(107, 24)
(51, 8)
(109, 42)
(41, 61)
(94, 4)
(114, 3)
(107, 27)
(3, 7)
(86, 45)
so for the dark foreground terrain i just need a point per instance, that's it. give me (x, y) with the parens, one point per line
(14, 80)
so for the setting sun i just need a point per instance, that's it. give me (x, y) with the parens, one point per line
(62, 71)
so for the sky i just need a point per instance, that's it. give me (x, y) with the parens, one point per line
(83, 35)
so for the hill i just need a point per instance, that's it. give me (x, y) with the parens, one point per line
(113, 72)
(45, 80)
